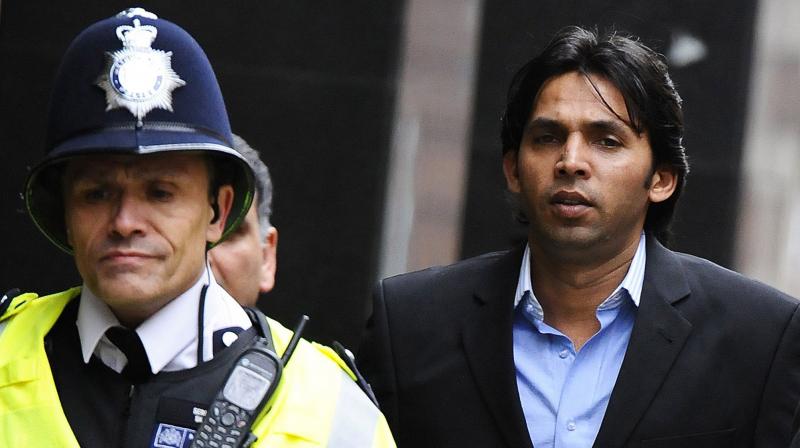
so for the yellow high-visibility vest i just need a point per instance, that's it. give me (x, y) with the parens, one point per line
(316, 404)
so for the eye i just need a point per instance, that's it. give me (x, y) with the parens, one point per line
(609, 142)
(96, 194)
(545, 139)
(160, 193)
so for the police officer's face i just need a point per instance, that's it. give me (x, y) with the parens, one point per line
(244, 264)
(139, 225)
(584, 175)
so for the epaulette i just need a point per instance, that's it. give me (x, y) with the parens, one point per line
(350, 361)
(5, 301)
(259, 320)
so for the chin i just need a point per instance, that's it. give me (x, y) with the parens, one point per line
(571, 235)
(127, 290)
(127, 296)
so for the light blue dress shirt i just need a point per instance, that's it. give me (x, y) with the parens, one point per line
(565, 393)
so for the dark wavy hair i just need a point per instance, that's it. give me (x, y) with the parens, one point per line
(638, 72)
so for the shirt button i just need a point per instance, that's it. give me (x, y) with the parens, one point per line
(571, 426)
(563, 353)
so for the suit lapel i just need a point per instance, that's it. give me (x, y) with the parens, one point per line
(658, 335)
(488, 345)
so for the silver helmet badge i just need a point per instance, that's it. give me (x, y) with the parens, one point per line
(139, 77)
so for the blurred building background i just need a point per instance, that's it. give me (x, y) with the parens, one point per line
(380, 124)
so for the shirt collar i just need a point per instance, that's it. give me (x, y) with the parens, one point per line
(168, 332)
(94, 318)
(632, 283)
(168, 336)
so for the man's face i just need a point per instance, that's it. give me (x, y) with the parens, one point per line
(138, 226)
(244, 264)
(584, 176)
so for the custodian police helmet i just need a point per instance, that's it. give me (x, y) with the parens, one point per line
(134, 84)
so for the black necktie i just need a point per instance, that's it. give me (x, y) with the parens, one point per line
(137, 370)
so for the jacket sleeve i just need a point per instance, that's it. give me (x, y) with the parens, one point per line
(376, 358)
(782, 391)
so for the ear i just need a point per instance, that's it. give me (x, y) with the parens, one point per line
(662, 184)
(510, 171)
(217, 220)
(269, 260)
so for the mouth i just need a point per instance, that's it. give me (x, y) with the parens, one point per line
(125, 256)
(570, 204)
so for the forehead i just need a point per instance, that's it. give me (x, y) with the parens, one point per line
(577, 95)
(184, 165)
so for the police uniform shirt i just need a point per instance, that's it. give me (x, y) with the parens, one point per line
(170, 335)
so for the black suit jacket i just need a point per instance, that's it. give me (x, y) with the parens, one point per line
(713, 360)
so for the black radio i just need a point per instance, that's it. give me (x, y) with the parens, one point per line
(248, 388)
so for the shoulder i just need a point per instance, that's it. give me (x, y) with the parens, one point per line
(308, 353)
(465, 274)
(27, 319)
(716, 292)
(709, 278)
(433, 296)
(13, 305)
(317, 392)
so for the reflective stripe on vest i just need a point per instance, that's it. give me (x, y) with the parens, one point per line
(355, 418)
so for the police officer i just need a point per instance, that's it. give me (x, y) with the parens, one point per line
(244, 264)
(139, 181)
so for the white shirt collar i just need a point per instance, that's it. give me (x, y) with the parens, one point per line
(94, 318)
(632, 283)
(170, 335)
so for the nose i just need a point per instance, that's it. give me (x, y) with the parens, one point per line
(573, 161)
(129, 219)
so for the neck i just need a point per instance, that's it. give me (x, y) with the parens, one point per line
(570, 290)
(133, 310)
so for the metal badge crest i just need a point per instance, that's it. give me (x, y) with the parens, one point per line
(139, 77)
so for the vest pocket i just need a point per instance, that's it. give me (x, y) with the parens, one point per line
(18, 371)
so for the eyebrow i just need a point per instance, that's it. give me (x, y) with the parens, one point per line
(608, 126)
(611, 127)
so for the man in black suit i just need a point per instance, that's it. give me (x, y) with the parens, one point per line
(593, 334)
